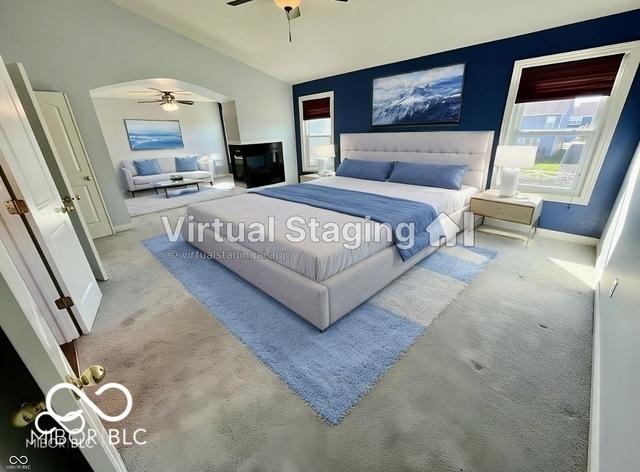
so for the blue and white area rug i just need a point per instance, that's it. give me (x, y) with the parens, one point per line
(331, 371)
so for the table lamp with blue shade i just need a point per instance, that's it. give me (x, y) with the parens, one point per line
(510, 159)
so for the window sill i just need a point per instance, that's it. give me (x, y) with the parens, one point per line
(582, 200)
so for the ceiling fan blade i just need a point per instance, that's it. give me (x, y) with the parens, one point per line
(295, 13)
(150, 101)
(341, 0)
(143, 91)
(235, 3)
(186, 102)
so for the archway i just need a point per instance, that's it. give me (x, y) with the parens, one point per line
(139, 123)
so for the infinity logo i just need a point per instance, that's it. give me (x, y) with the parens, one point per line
(22, 460)
(78, 414)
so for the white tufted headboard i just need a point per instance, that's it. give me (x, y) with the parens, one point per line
(430, 147)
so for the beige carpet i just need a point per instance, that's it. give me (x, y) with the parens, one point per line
(500, 382)
(147, 201)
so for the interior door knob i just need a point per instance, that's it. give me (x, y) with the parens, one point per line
(88, 178)
(68, 204)
(93, 375)
(27, 413)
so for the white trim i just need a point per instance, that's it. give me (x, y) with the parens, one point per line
(546, 233)
(304, 98)
(122, 228)
(256, 141)
(593, 461)
(611, 113)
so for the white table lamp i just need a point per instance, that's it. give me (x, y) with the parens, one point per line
(511, 159)
(325, 155)
(212, 160)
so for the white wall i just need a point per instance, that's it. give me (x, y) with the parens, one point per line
(200, 125)
(75, 46)
(615, 433)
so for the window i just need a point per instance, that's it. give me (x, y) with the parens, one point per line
(316, 126)
(562, 147)
(568, 106)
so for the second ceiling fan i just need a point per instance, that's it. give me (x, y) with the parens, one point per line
(167, 99)
(290, 7)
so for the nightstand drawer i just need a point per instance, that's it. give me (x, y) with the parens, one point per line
(502, 211)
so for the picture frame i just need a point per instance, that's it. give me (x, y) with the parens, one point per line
(144, 135)
(426, 97)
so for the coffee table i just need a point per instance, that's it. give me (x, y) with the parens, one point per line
(167, 184)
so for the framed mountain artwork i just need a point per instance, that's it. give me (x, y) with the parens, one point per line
(432, 96)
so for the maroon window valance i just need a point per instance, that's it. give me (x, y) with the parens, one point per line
(316, 109)
(569, 79)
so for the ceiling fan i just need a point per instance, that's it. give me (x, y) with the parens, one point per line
(168, 100)
(290, 7)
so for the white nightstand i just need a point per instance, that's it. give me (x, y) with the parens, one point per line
(309, 177)
(523, 209)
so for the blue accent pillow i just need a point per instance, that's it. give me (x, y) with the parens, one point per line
(367, 170)
(187, 164)
(430, 175)
(147, 166)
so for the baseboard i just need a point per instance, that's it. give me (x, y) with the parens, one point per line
(121, 228)
(546, 233)
(594, 423)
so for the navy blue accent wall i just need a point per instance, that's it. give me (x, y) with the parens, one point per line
(488, 73)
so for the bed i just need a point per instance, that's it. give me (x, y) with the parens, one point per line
(322, 281)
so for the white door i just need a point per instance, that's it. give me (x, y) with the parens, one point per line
(52, 158)
(66, 138)
(16, 238)
(25, 327)
(28, 177)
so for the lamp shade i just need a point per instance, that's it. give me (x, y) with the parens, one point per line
(217, 158)
(325, 164)
(325, 150)
(170, 106)
(519, 157)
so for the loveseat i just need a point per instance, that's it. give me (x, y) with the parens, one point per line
(136, 182)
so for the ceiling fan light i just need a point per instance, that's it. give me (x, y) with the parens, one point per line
(170, 106)
(288, 3)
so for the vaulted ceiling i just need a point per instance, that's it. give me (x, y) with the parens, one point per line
(333, 37)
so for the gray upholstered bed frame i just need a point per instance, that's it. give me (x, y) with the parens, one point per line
(323, 303)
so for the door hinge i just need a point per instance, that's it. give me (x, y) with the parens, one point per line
(64, 302)
(16, 207)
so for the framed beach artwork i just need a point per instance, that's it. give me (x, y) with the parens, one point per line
(432, 96)
(153, 134)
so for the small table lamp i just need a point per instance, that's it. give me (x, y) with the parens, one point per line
(325, 155)
(212, 160)
(511, 159)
